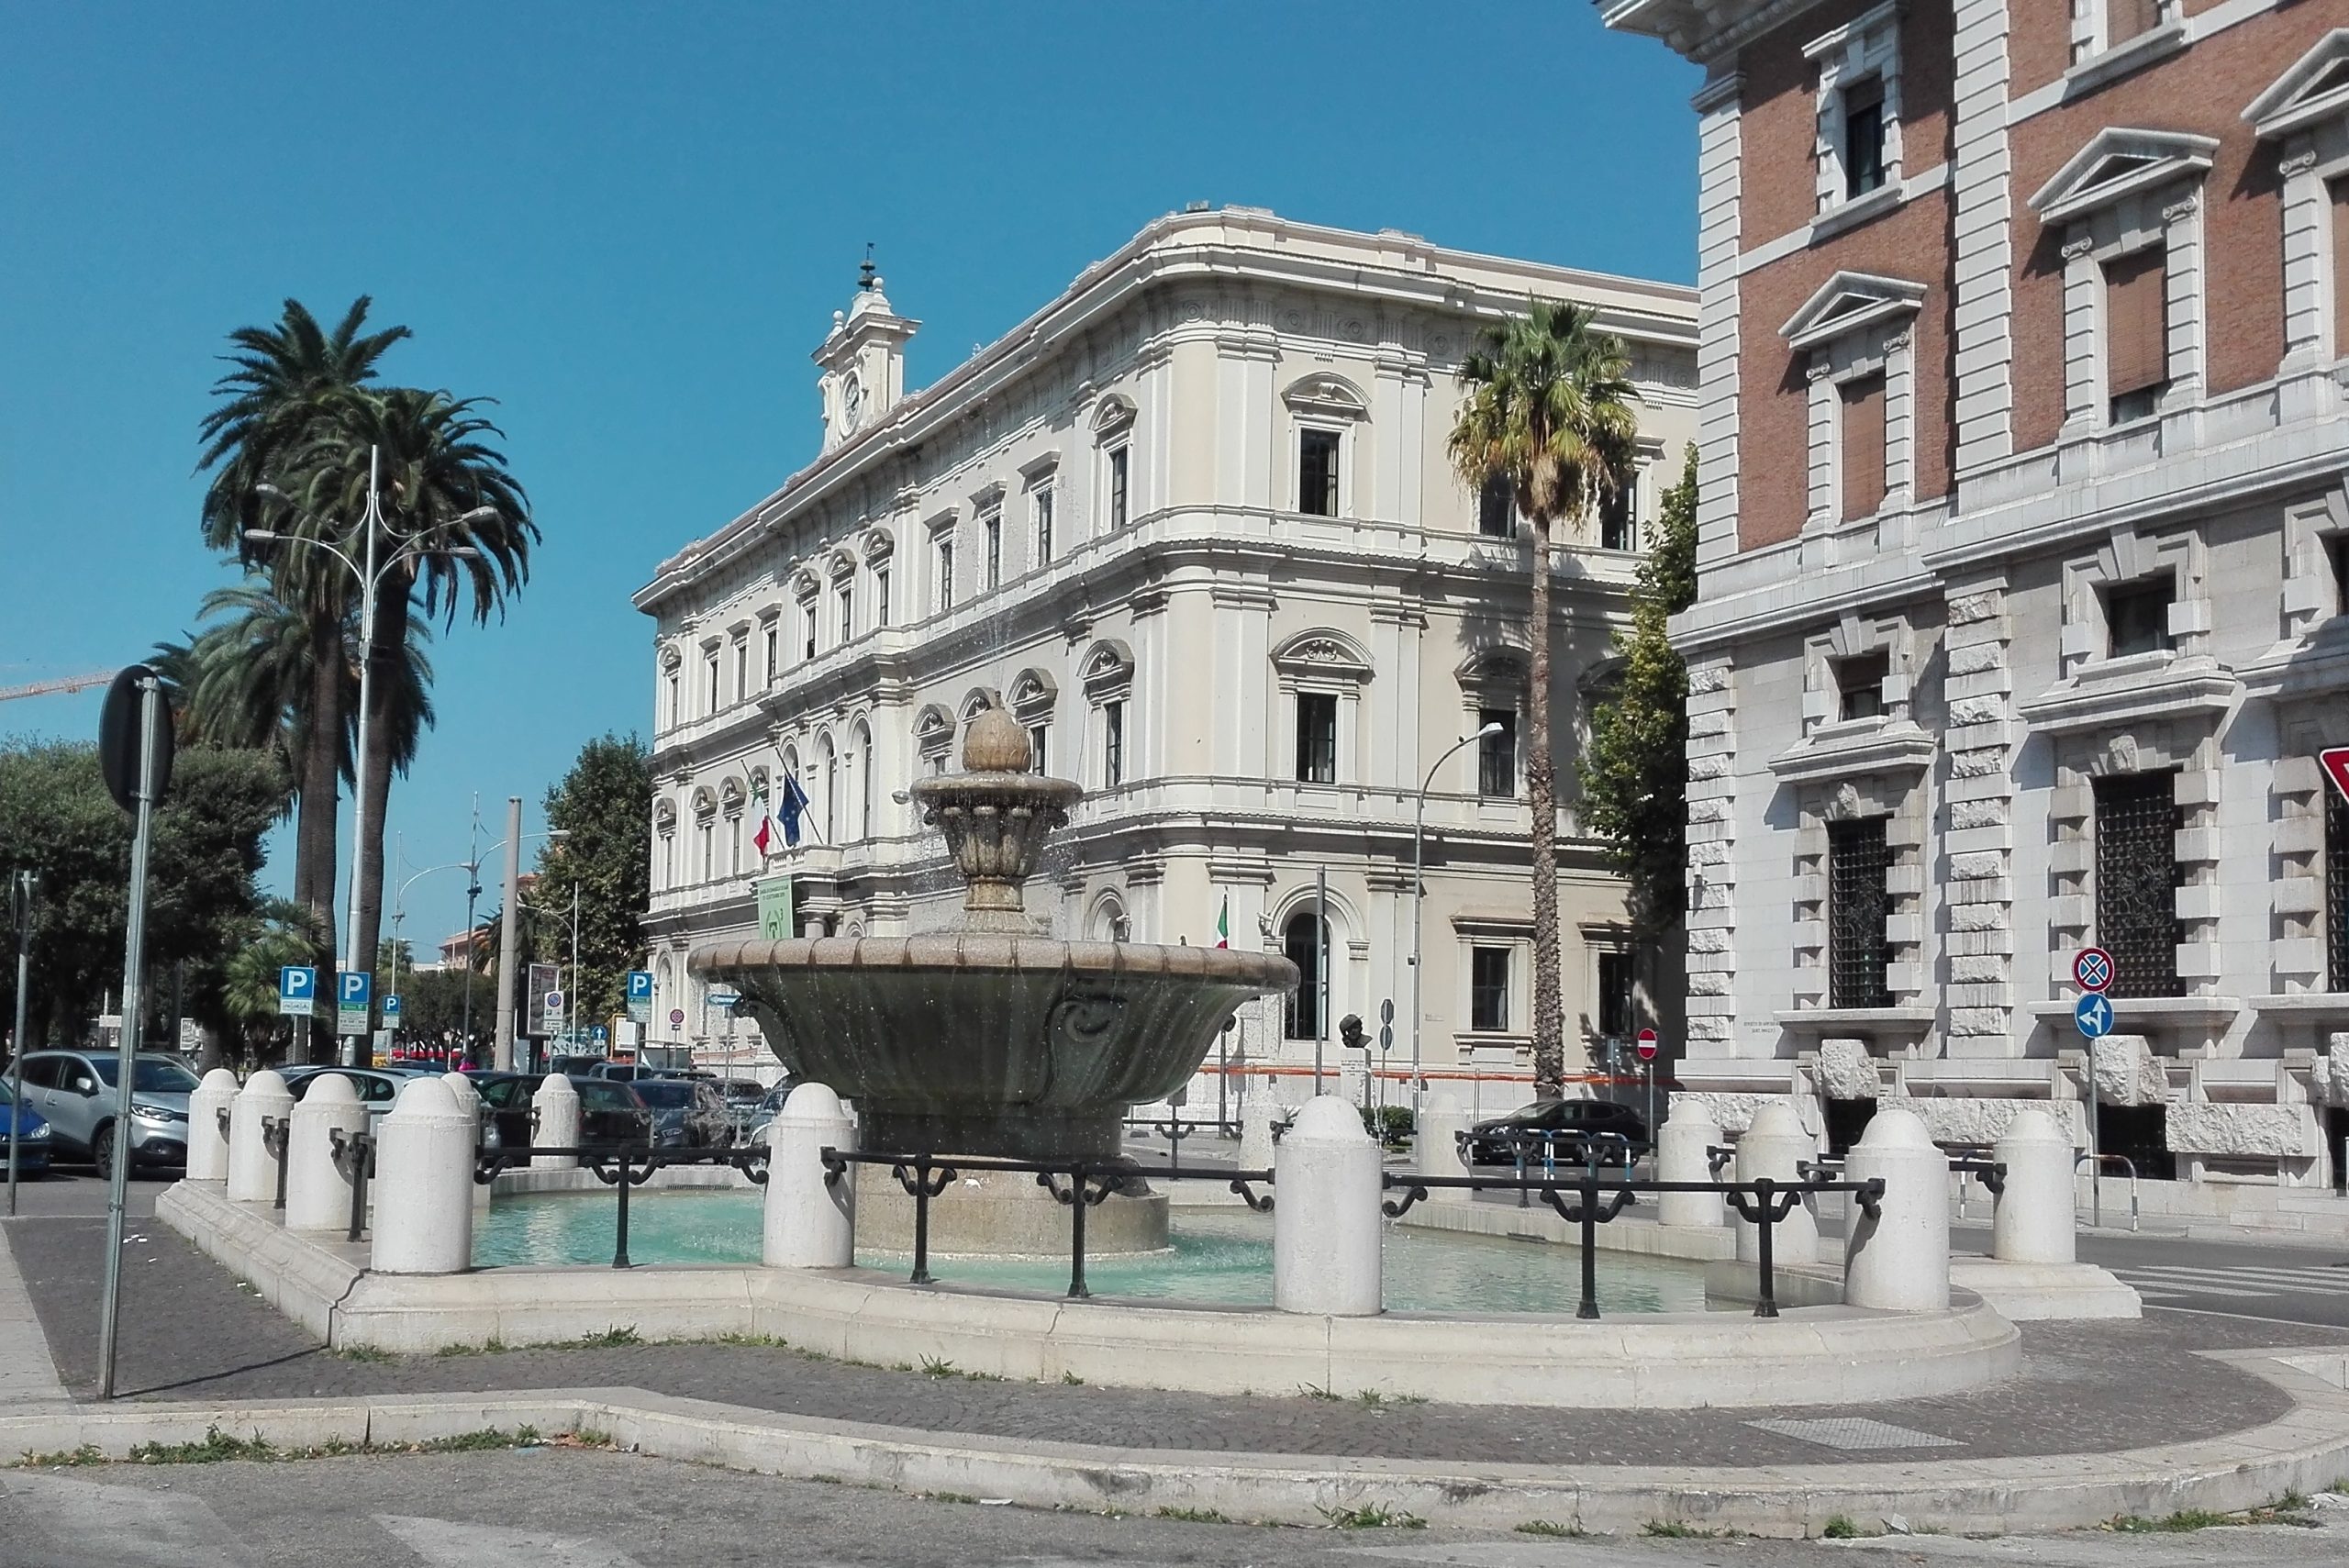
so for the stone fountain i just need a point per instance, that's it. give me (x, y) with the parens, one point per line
(992, 1037)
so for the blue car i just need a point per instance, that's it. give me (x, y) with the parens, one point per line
(25, 1127)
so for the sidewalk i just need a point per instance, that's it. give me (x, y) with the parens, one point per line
(28, 1376)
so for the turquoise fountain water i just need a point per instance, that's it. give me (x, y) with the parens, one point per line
(1218, 1256)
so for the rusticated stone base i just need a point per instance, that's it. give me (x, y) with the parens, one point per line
(1003, 1214)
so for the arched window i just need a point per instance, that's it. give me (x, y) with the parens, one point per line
(864, 781)
(1305, 1004)
(831, 766)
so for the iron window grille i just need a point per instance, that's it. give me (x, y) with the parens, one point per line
(1857, 955)
(2137, 879)
(1489, 990)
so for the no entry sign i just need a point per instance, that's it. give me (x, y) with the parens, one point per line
(1646, 1044)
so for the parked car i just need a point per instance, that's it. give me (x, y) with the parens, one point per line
(74, 1091)
(1569, 1127)
(29, 1132)
(377, 1087)
(608, 1113)
(687, 1113)
(762, 1115)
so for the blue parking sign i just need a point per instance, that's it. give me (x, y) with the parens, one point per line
(639, 994)
(297, 990)
(391, 1006)
(354, 988)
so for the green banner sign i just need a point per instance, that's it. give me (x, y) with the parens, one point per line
(775, 909)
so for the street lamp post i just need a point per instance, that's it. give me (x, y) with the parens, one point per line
(24, 887)
(1419, 889)
(399, 911)
(371, 578)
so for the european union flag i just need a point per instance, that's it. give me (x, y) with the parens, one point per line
(793, 806)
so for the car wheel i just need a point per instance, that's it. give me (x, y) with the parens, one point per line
(102, 1150)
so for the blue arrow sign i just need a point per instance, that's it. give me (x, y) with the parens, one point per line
(2094, 1014)
(354, 988)
(639, 986)
(296, 982)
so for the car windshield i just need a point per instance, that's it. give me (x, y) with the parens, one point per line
(149, 1075)
(598, 1094)
(666, 1095)
(1539, 1110)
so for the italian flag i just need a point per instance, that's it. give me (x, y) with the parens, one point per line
(1223, 923)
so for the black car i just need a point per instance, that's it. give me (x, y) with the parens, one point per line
(687, 1113)
(608, 1113)
(1566, 1126)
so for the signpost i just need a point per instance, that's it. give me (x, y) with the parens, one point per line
(2093, 1015)
(676, 1020)
(639, 995)
(298, 991)
(23, 888)
(354, 1002)
(1646, 1044)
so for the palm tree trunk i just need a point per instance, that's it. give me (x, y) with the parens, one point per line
(391, 641)
(1541, 788)
(315, 825)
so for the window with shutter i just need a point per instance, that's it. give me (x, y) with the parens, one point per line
(1862, 401)
(2338, 191)
(2136, 332)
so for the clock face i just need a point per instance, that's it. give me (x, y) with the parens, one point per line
(853, 400)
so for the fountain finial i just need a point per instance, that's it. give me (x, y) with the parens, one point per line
(996, 744)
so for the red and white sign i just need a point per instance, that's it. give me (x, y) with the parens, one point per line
(2092, 968)
(1644, 1043)
(2335, 761)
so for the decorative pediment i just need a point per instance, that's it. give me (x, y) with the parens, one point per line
(1848, 302)
(806, 580)
(729, 795)
(1329, 655)
(1504, 666)
(2120, 162)
(1116, 412)
(878, 544)
(988, 495)
(977, 700)
(840, 562)
(1326, 396)
(672, 656)
(1033, 693)
(2315, 88)
(704, 803)
(1107, 667)
(933, 729)
(665, 816)
(1854, 749)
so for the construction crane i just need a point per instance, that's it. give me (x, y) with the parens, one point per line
(63, 683)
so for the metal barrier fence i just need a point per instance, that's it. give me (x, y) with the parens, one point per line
(1524, 1143)
(2096, 1185)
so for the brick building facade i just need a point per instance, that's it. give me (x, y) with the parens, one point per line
(2035, 644)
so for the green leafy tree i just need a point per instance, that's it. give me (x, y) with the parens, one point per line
(1549, 414)
(603, 805)
(1635, 772)
(282, 934)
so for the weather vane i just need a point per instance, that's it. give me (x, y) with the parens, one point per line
(865, 276)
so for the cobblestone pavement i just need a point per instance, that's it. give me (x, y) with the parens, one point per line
(189, 1330)
(555, 1508)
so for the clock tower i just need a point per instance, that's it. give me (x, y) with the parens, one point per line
(864, 360)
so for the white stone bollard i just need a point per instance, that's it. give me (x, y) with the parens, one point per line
(1775, 1145)
(1435, 1147)
(1257, 1114)
(424, 1180)
(1898, 1262)
(811, 1224)
(1681, 1146)
(556, 1107)
(207, 1144)
(318, 1194)
(2034, 1220)
(468, 1097)
(1326, 1238)
(253, 1169)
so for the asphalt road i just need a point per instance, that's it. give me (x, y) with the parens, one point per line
(560, 1508)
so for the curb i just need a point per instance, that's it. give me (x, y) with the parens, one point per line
(2305, 1451)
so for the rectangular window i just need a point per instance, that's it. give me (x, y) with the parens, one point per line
(1862, 399)
(2336, 891)
(676, 708)
(945, 588)
(1316, 473)
(1619, 516)
(1317, 738)
(880, 595)
(1489, 990)
(2136, 615)
(1043, 510)
(1113, 744)
(1863, 137)
(2136, 332)
(2137, 879)
(710, 676)
(808, 627)
(2125, 19)
(706, 831)
(1039, 759)
(741, 669)
(1119, 472)
(1615, 995)
(845, 598)
(1497, 508)
(1859, 685)
(734, 846)
(1497, 754)
(668, 860)
(2336, 550)
(2339, 192)
(1856, 859)
(993, 526)
(774, 640)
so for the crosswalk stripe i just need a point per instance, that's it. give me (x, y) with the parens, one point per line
(2174, 1287)
(2295, 1283)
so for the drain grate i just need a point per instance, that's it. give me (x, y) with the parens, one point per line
(1854, 1432)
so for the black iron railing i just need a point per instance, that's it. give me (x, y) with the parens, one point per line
(1762, 1203)
(354, 1156)
(275, 1132)
(1531, 1147)
(623, 1166)
(1079, 1184)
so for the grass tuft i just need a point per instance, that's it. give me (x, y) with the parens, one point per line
(1372, 1516)
(361, 1353)
(763, 1341)
(613, 1338)
(1840, 1528)
(1071, 1380)
(1316, 1391)
(939, 1366)
(1677, 1529)
(88, 1454)
(1551, 1529)
(216, 1447)
(2178, 1523)
(1193, 1516)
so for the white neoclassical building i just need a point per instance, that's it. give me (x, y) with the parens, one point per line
(1192, 523)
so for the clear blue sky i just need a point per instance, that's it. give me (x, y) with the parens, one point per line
(631, 224)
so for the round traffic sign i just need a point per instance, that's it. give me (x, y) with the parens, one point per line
(677, 1016)
(1644, 1043)
(2092, 968)
(2093, 1015)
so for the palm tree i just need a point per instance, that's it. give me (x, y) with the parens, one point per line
(1548, 413)
(284, 933)
(287, 380)
(457, 531)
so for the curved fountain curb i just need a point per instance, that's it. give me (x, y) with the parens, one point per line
(2304, 1450)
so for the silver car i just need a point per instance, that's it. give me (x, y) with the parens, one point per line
(74, 1091)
